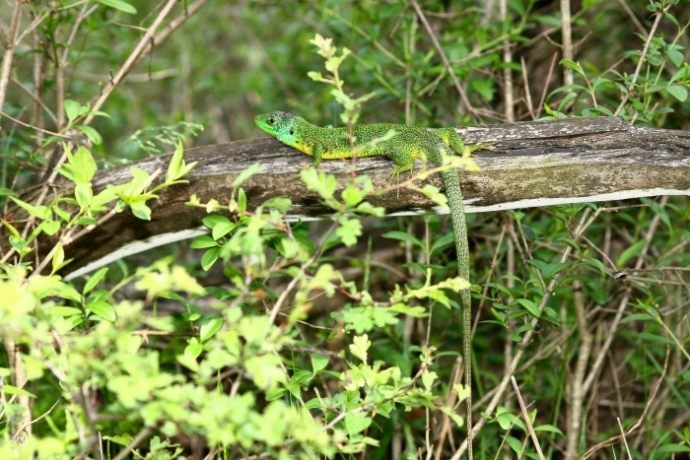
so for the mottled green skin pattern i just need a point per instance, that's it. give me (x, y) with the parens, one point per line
(408, 143)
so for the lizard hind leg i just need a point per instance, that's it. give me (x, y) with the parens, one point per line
(451, 137)
(455, 141)
(403, 162)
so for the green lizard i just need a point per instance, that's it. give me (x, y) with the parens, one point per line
(408, 143)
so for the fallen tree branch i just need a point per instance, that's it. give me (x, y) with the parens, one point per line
(537, 164)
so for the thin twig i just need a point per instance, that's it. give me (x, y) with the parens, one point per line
(613, 326)
(33, 127)
(643, 55)
(9, 52)
(508, 97)
(525, 416)
(446, 62)
(640, 419)
(134, 443)
(576, 393)
(131, 60)
(283, 295)
(567, 40)
(528, 95)
(544, 91)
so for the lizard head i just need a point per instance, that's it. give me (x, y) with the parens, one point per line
(281, 125)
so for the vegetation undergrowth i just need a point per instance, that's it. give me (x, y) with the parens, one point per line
(270, 338)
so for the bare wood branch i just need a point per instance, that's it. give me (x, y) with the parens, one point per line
(9, 51)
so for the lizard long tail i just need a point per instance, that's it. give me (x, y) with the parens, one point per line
(451, 181)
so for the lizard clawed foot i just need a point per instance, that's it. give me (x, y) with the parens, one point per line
(396, 174)
(489, 146)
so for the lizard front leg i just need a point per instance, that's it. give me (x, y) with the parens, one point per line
(316, 152)
(403, 162)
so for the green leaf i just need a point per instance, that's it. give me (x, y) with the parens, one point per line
(119, 5)
(203, 241)
(83, 166)
(58, 257)
(193, 348)
(265, 370)
(241, 199)
(209, 258)
(12, 390)
(213, 220)
(566, 100)
(324, 184)
(457, 419)
(141, 210)
(416, 311)
(637, 317)
(551, 269)
(505, 419)
(175, 164)
(276, 394)
(485, 87)
(73, 110)
(93, 135)
(405, 237)
(301, 376)
(356, 422)
(530, 306)
(208, 329)
(287, 248)
(548, 428)
(655, 338)
(177, 167)
(352, 195)
(42, 212)
(64, 311)
(318, 362)
(629, 253)
(51, 227)
(349, 230)
(367, 208)
(683, 72)
(256, 168)
(515, 445)
(360, 346)
(537, 263)
(222, 228)
(675, 56)
(598, 264)
(102, 309)
(572, 65)
(280, 203)
(670, 448)
(678, 91)
(428, 379)
(66, 291)
(313, 403)
(189, 361)
(83, 193)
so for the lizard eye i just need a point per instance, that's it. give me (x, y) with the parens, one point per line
(271, 121)
(292, 131)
